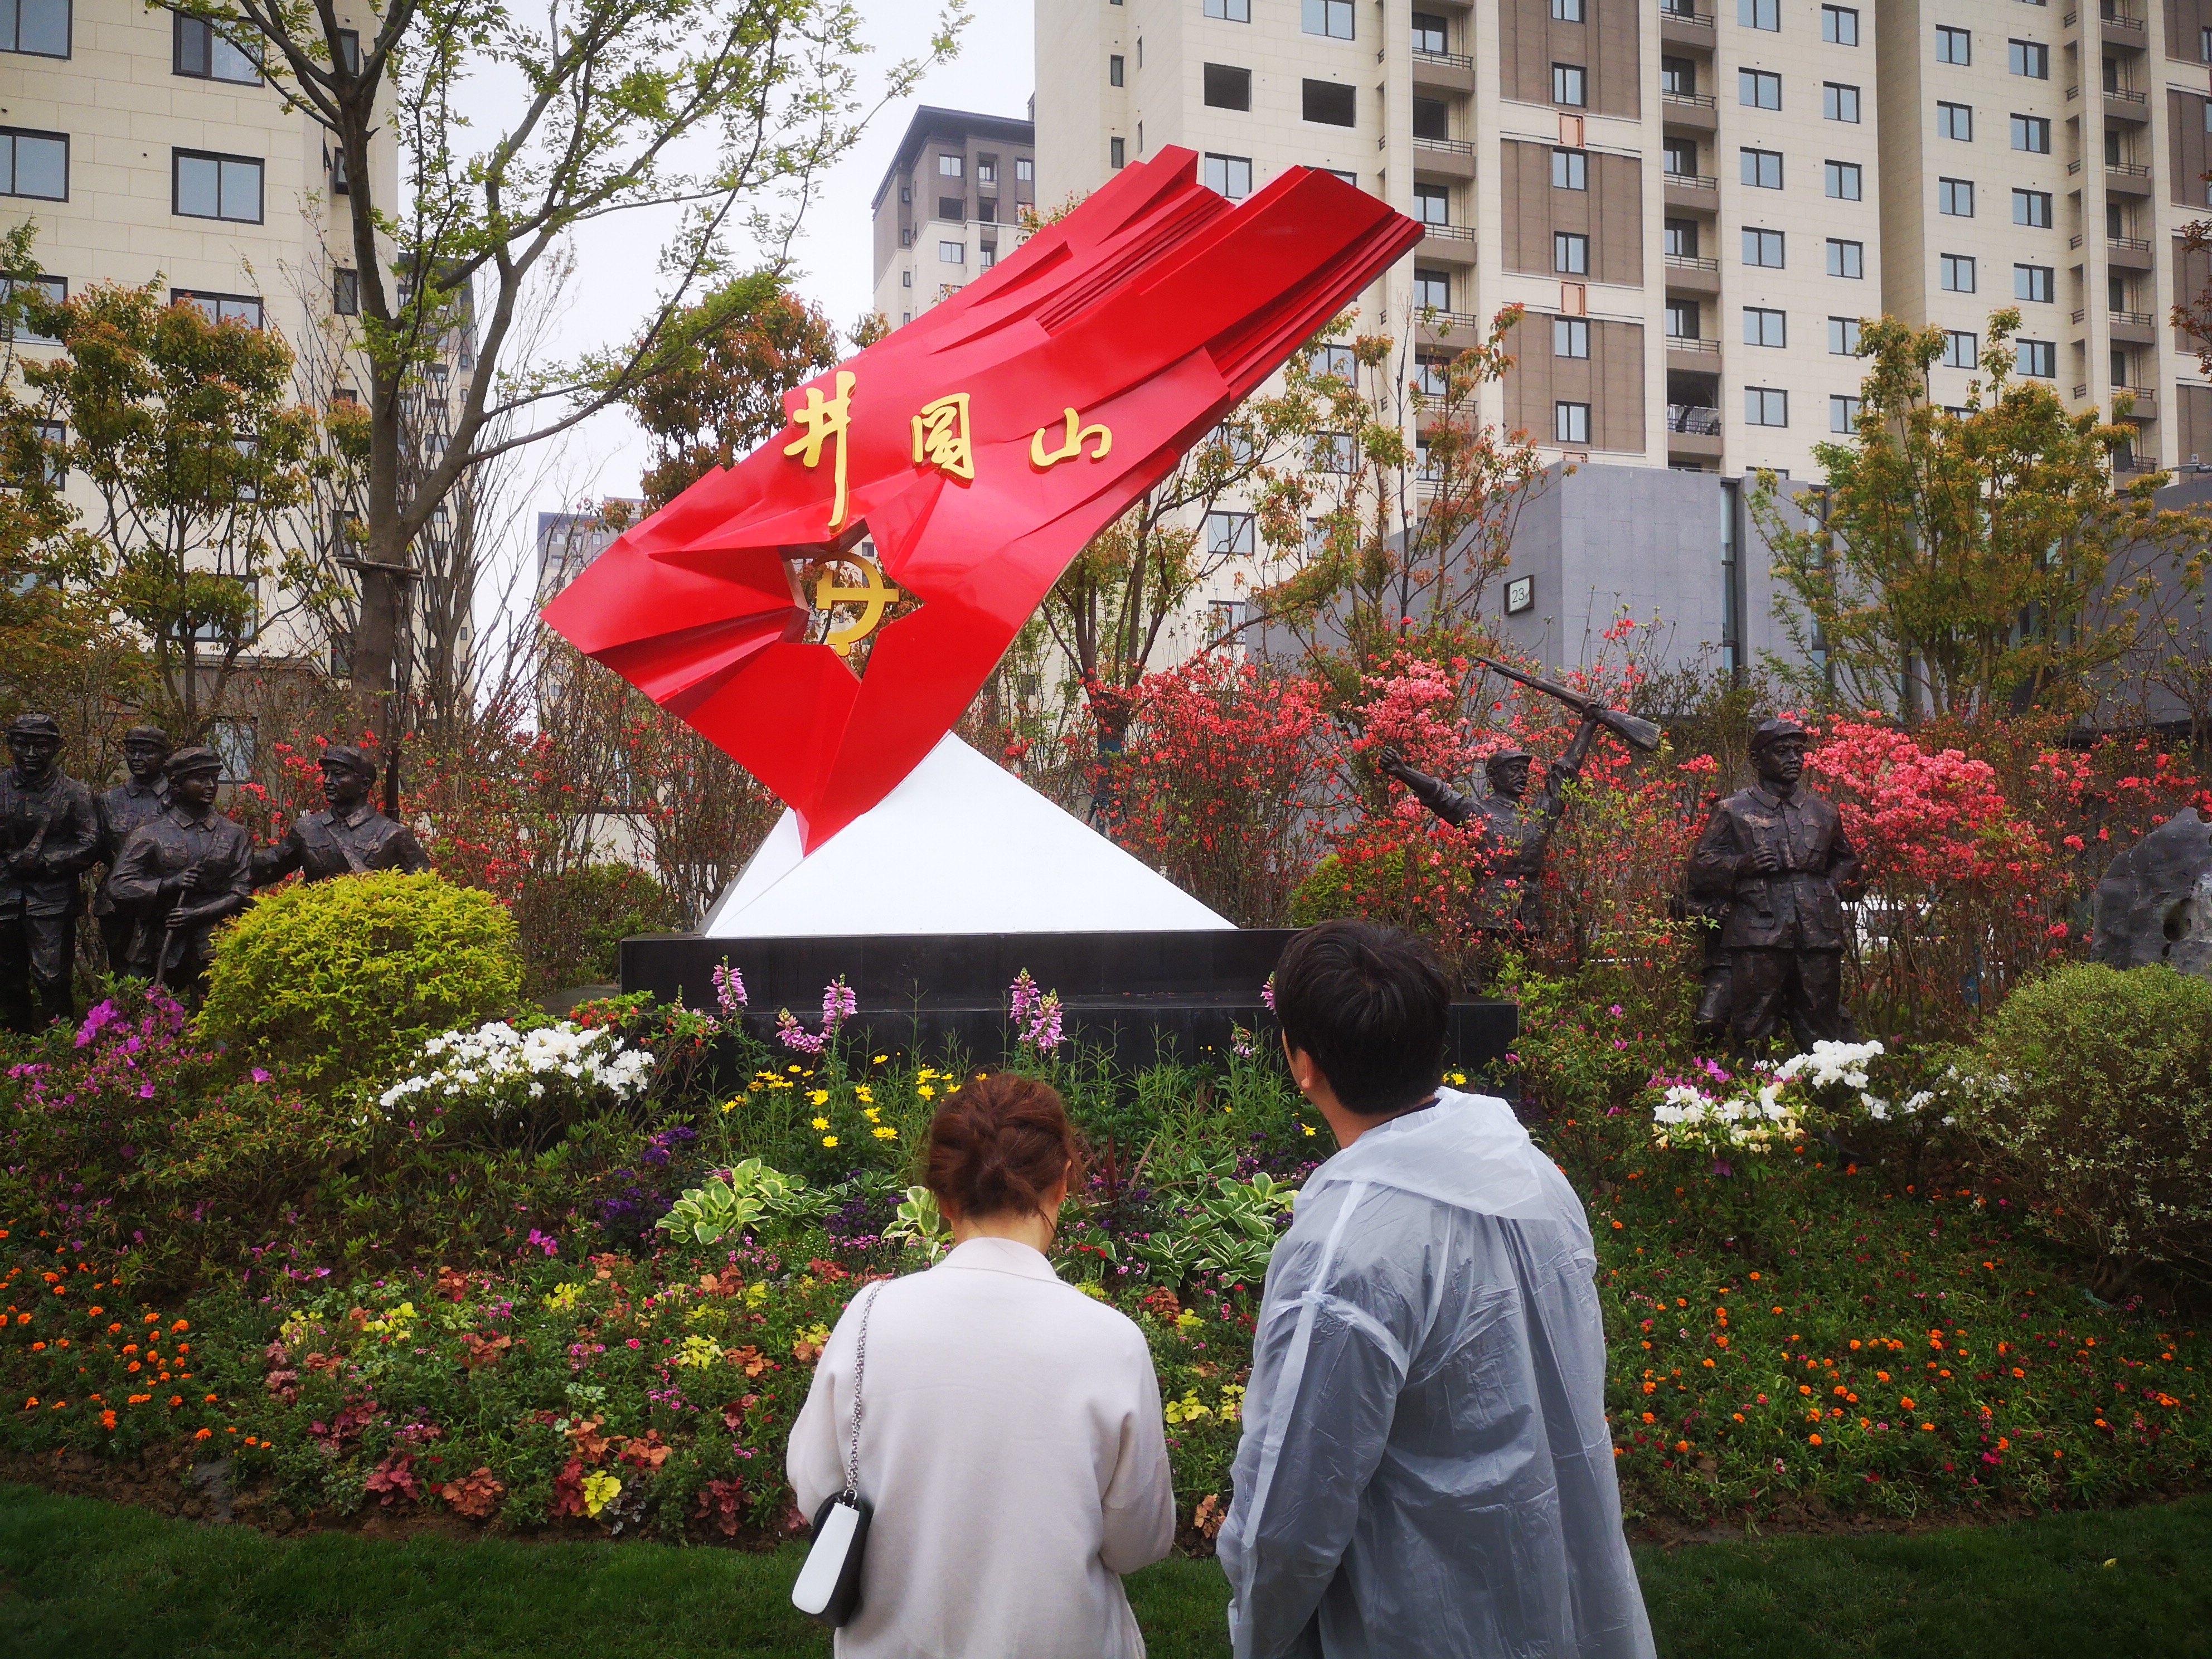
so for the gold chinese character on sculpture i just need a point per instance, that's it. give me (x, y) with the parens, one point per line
(941, 436)
(871, 597)
(826, 419)
(1071, 443)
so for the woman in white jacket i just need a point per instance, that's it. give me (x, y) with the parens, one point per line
(1012, 1447)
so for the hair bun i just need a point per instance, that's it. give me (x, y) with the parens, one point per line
(999, 1146)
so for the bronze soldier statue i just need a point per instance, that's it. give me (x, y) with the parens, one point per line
(1778, 857)
(350, 838)
(142, 796)
(50, 831)
(1509, 900)
(181, 875)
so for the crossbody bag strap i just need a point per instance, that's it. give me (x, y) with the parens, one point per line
(860, 1370)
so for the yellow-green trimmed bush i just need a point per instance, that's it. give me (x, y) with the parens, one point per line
(342, 979)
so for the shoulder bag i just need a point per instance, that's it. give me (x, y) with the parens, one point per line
(829, 1587)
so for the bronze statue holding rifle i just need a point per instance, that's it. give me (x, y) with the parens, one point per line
(181, 875)
(1508, 902)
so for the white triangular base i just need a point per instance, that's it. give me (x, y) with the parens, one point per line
(960, 846)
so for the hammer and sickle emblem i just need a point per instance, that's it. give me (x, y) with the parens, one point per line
(871, 597)
(1071, 443)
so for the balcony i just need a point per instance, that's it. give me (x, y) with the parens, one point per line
(2145, 407)
(1692, 110)
(1451, 157)
(1687, 273)
(1693, 431)
(1692, 354)
(1452, 242)
(1438, 323)
(1686, 26)
(1444, 59)
(1449, 71)
(1691, 190)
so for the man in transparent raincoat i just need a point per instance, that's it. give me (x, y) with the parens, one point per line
(1425, 1467)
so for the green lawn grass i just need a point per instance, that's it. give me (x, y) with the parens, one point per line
(81, 1577)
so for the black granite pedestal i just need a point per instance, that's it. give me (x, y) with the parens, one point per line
(1144, 995)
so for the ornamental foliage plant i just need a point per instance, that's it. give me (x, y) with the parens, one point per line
(336, 981)
(2093, 1093)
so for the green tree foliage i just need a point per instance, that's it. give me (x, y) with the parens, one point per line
(717, 393)
(344, 979)
(186, 432)
(1957, 562)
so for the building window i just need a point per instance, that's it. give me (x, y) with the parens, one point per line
(1571, 423)
(210, 632)
(987, 256)
(1843, 414)
(203, 186)
(1839, 102)
(2031, 133)
(1570, 170)
(1679, 238)
(1338, 362)
(1955, 121)
(1431, 119)
(2205, 46)
(1679, 75)
(1953, 45)
(349, 51)
(1231, 532)
(1961, 348)
(906, 279)
(1762, 326)
(1332, 18)
(1433, 202)
(1760, 14)
(952, 253)
(345, 293)
(951, 166)
(951, 209)
(1758, 89)
(1431, 375)
(1766, 405)
(1678, 157)
(2037, 284)
(1566, 11)
(197, 50)
(1432, 289)
(38, 27)
(1843, 337)
(1762, 169)
(986, 210)
(1332, 103)
(1955, 196)
(55, 289)
(232, 737)
(1682, 320)
(35, 164)
(2029, 57)
(1839, 26)
(1024, 171)
(1846, 183)
(1431, 35)
(1956, 273)
(1846, 259)
(1116, 153)
(1229, 11)
(1570, 336)
(53, 438)
(1570, 252)
(1228, 88)
(1334, 451)
(1762, 247)
(219, 307)
(2039, 358)
(1114, 71)
(1569, 84)
(1229, 176)
(1140, 138)
(2032, 207)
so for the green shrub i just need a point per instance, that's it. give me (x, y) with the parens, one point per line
(2095, 1094)
(570, 926)
(339, 979)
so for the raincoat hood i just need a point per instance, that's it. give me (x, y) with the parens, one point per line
(1425, 1467)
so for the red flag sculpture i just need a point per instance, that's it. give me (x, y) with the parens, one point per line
(982, 445)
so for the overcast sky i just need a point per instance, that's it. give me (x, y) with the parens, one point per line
(615, 271)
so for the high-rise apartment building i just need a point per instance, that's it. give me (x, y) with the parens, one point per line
(1697, 212)
(950, 204)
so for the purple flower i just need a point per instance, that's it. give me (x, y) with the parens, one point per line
(260, 1076)
(729, 990)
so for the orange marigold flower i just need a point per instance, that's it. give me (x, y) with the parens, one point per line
(204, 1434)
(1812, 1439)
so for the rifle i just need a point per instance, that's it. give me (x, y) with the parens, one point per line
(1633, 730)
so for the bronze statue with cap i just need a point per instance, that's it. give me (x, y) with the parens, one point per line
(348, 838)
(181, 875)
(143, 796)
(1777, 856)
(50, 832)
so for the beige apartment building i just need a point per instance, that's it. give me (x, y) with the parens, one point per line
(1697, 212)
(950, 204)
(147, 148)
